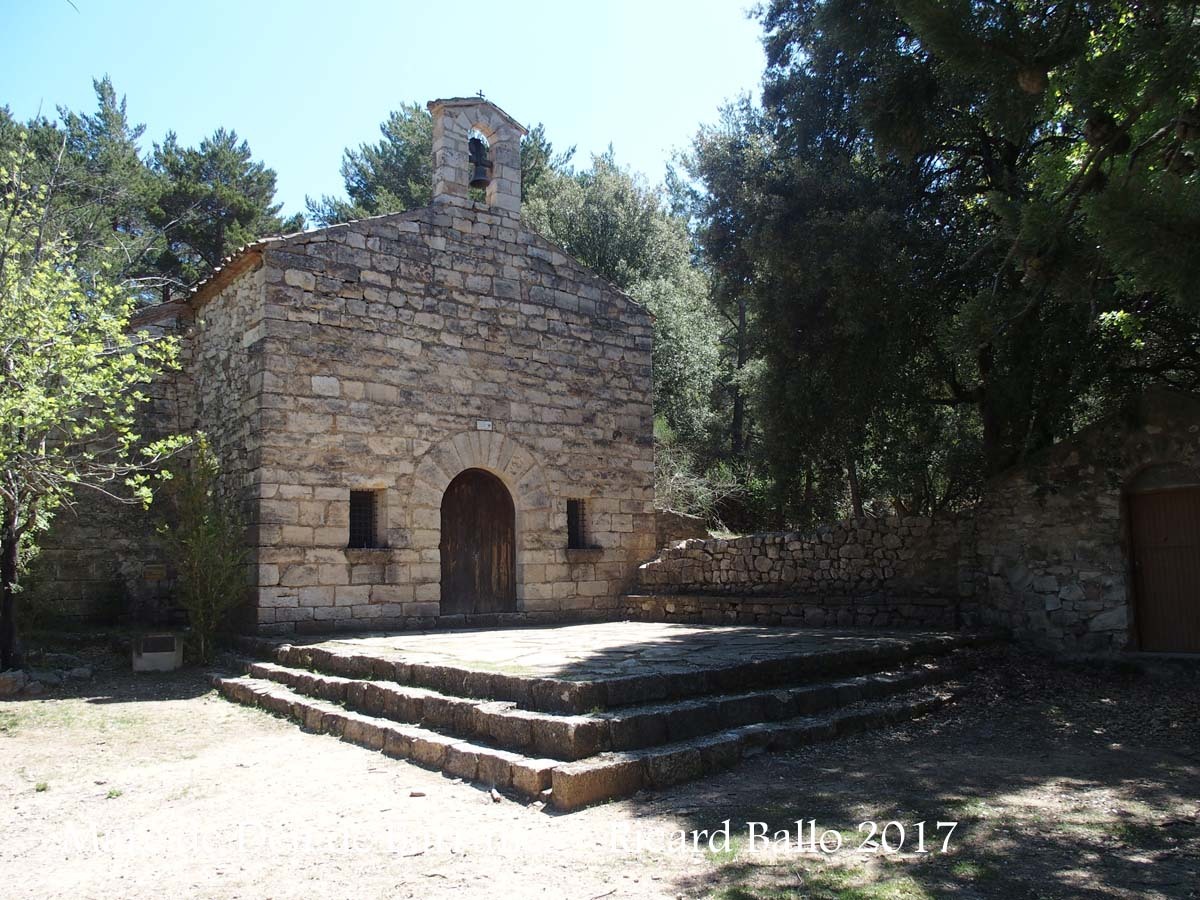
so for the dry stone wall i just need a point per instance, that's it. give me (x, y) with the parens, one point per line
(894, 571)
(1046, 554)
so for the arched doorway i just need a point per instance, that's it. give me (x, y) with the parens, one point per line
(478, 547)
(1164, 518)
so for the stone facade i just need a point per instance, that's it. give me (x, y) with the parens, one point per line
(391, 354)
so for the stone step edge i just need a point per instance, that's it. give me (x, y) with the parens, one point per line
(575, 697)
(499, 769)
(660, 594)
(572, 785)
(549, 735)
(610, 776)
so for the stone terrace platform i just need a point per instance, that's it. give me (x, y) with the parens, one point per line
(582, 713)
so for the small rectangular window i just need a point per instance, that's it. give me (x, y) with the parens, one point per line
(364, 519)
(576, 525)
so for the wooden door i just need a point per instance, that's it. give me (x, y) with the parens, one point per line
(479, 557)
(1166, 559)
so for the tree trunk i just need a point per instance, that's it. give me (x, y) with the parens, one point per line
(737, 427)
(9, 544)
(855, 491)
(996, 454)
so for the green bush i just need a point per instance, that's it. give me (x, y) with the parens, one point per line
(206, 538)
(682, 484)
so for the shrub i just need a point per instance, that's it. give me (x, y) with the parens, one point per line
(207, 542)
(681, 484)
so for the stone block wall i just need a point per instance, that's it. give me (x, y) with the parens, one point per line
(228, 369)
(401, 350)
(1044, 555)
(1051, 549)
(893, 571)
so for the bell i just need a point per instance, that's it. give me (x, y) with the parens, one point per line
(481, 175)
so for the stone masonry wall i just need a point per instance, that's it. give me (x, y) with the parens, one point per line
(227, 349)
(102, 559)
(1045, 555)
(391, 354)
(401, 350)
(1051, 550)
(895, 571)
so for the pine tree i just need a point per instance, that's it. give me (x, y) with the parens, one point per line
(210, 201)
(396, 174)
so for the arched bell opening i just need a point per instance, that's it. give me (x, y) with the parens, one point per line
(480, 164)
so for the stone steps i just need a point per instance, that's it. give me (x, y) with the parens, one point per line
(572, 737)
(573, 785)
(609, 776)
(579, 696)
(496, 768)
(618, 728)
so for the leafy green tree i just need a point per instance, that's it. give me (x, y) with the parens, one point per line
(1051, 146)
(71, 382)
(969, 232)
(731, 161)
(156, 224)
(611, 220)
(394, 175)
(98, 184)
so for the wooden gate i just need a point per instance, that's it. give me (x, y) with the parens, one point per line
(1165, 528)
(478, 547)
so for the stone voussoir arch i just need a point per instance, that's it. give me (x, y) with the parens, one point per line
(507, 459)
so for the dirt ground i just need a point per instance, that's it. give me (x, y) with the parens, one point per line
(1078, 781)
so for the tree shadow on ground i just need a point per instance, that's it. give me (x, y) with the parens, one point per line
(149, 686)
(681, 648)
(1066, 781)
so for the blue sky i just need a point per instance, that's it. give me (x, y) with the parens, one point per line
(302, 80)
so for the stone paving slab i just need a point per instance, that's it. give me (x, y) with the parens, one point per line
(609, 650)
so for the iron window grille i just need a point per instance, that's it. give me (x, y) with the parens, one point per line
(576, 525)
(364, 519)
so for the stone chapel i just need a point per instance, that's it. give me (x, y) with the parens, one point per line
(430, 417)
